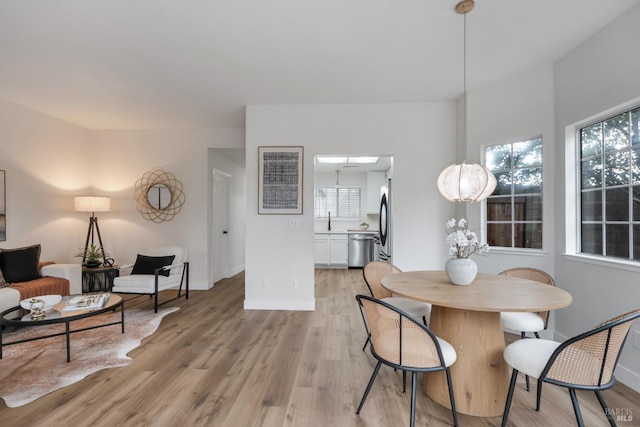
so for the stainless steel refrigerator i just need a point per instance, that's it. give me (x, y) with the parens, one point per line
(385, 224)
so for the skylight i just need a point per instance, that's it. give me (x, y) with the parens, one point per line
(335, 159)
(362, 159)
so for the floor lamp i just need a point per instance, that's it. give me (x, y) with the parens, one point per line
(92, 204)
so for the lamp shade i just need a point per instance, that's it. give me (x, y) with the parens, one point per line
(92, 204)
(466, 183)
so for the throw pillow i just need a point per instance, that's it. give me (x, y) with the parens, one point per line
(20, 264)
(3, 283)
(146, 264)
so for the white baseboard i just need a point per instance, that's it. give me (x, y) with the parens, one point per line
(628, 377)
(197, 286)
(296, 305)
(236, 270)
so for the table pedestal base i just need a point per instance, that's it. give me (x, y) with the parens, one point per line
(480, 375)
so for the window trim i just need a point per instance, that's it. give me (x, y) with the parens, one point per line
(484, 209)
(517, 251)
(619, 263)
(315, 191)
(593, 258)
(572, 210)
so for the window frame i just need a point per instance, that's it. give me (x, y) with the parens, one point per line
(315, 198)
(512, 195)
(630, 262)
(572, 195)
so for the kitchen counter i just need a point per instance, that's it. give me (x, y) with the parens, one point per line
(347, 232)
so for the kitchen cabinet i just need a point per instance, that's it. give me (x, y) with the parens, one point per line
(331, 250)
(321, 244)
(338, 249)
(375, 181)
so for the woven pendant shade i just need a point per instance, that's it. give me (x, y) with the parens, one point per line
(466, 183)
(463, 182)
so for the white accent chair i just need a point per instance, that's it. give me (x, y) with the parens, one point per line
(158, 279)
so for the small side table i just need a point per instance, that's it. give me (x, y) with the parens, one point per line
(99, 278)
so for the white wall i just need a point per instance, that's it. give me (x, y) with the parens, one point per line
(420, 137)
(515, 109)
(48, 162)
(45, 160)
(42, 181)
(122, 157)
(599, 75)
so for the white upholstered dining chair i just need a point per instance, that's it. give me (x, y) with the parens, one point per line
(155, 270)
(584, 362)
(525, 322)
(402, 342)
(373, 273)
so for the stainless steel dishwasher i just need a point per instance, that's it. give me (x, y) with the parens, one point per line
(360, 249)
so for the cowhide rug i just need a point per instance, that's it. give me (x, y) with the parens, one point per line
(30, 370)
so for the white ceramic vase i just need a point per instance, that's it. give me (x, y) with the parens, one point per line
(461, 271)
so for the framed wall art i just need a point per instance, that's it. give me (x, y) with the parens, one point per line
(280, 180)
(3, 207)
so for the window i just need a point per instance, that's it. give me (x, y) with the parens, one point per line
(514, 210)
(610, 187)
(341, 202)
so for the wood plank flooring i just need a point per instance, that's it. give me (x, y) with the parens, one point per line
(214, 364)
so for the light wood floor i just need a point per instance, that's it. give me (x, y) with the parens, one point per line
(214, 364)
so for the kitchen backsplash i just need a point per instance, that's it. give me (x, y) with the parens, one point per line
(345, 224)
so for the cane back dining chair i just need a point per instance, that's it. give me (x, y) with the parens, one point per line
(373, 273)
(156, 270)
(525, 322)
(584, 362)
(402, 342)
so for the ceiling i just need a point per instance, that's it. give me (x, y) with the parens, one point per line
(153, 64)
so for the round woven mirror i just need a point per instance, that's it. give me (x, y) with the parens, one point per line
(159, 195)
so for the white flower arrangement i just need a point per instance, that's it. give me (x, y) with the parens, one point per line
(463, 242)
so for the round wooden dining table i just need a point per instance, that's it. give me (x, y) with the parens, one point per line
(468, 317)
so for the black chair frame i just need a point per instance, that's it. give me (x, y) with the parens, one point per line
(414, 371)
(597, 389)
(157, 271)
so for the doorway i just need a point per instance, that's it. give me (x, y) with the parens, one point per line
(348, 192)
(220, 225)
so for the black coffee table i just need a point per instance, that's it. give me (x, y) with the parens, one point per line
(56, 315)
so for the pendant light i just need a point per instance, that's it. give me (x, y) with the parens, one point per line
(463, 182)
(337, 179)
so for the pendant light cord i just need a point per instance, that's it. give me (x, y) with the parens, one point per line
(466, 183)
(464, 74)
